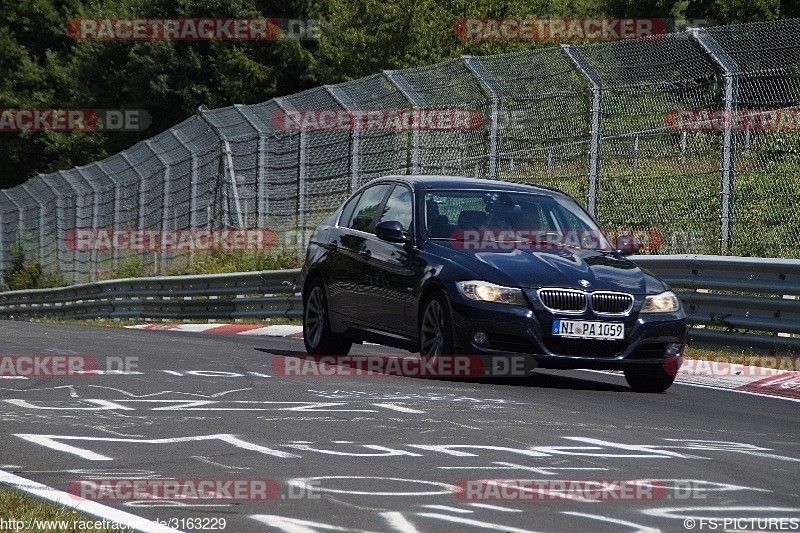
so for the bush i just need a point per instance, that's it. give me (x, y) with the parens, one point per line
(28, 274)
(221, 262)
(133, 267)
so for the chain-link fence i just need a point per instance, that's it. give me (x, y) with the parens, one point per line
(690, 141)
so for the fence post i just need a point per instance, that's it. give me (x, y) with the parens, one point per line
(142, 189)
(20, 219)
(73, 224)
(193, 193)
(495, 92)
(395, 78)
(302, 176)
(93, 255)
(227, 158)
(117, 210)
(2, 244)
(302, 193)
(40, 205)
(19, 223)
(730, 95)
(348, 105)
(262, 192)
(165, 208)
(595, 128)
(60, 263)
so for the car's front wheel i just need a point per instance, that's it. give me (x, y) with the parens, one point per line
(435, 332)
(656, 380)
(317, 334)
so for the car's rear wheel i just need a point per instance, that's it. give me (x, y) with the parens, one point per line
(655, 380)
(317, 334)
(435, 332)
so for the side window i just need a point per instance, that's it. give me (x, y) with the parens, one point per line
(367, 206)
(399, 207)
(347, 211)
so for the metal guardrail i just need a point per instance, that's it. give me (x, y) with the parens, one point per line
(737, 302)
(255, 295)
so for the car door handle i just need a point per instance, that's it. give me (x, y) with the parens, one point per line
(366, 254)
(333, 244)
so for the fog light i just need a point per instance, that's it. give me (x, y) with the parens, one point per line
(480, 338)
(674, 348)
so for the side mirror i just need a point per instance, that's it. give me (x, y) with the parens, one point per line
(627, 245)
(391, 231)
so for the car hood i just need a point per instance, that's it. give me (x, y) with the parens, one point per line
(554, 268)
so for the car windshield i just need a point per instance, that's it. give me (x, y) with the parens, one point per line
(486, 220)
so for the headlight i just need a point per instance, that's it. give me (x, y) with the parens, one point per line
(489, 292)
(666, 302)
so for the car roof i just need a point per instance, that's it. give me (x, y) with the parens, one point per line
(428, 181)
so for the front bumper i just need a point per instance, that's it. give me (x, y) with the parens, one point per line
(650, 339)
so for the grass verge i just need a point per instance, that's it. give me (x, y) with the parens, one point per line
(19, 509)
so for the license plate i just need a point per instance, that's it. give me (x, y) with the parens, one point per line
(583, 329)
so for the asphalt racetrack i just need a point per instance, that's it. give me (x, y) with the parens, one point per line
(559, 451)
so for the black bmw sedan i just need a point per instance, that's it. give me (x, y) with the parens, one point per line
(445, 265)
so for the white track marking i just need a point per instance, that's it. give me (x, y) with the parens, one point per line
(79, 504)
(474, 523)
(495, 508)
(398, 522)
(638, 527)
(52, 442)
(395, 407)
(448, 508)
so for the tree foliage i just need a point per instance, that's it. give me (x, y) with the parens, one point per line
(44, 68)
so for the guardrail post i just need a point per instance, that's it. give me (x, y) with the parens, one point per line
(495, 92)
(346, 103)
(262, 191)
(595, 128)
(417, 103)
(227, 163)
(730, 96)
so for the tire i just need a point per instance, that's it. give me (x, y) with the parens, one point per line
(317, 334)
(653, 381)
(435, 329)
